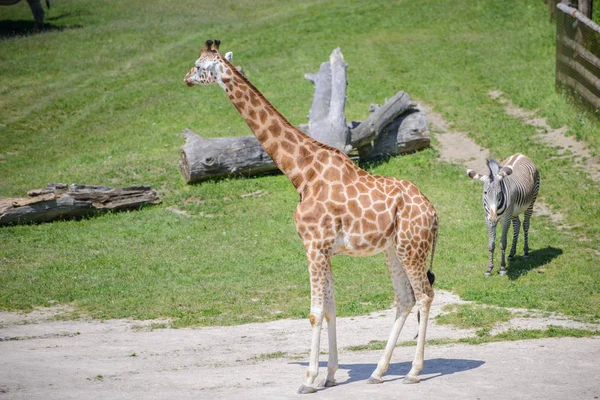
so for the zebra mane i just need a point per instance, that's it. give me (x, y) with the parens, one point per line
(494, 167)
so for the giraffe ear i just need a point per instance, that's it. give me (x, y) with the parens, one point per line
(207, 45)
(229, 56)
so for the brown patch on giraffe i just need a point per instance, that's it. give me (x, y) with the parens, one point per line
(370, 215)
(254, 99)
(367, 226)
(355, 208)
(323, 157)
(313, 322)
(349, 174)
(304, 161)
(336, 209)
(263, 116)
(337, 193)
(288, 147)
(275, 129)
(351, 192)
(379, 206)
(253, 125)
(383, 221)
(365, 200)
(293, 139)
(322, 192)
(287, 163)
(332, 174)
(310, 174)
(238, 94)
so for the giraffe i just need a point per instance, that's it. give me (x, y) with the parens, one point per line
(342, 210)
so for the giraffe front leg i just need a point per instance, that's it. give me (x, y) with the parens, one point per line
(330, 315)
(321, 288)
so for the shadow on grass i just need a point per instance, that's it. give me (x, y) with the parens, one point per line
(18, 28)
(436, 367)
(520, 266)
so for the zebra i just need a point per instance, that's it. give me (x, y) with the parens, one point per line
(509, 190)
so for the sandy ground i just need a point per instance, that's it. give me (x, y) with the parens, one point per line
(42, 358)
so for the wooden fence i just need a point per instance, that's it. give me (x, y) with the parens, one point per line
(578, 56)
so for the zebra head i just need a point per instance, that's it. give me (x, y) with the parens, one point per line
(494, 191)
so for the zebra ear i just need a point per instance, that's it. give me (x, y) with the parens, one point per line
(504, 172)
(474, 175)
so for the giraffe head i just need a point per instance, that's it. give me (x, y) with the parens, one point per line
(494, 198)
(205, 71)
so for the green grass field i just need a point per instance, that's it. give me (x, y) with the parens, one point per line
(99, 99)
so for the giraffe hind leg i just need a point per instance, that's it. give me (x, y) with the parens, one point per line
(424, 297)
(405, 301)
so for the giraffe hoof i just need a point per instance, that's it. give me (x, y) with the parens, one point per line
(409, 380)
(488, 274)
(503, 272)
(306, 389)
(374, 381)
(328, 383)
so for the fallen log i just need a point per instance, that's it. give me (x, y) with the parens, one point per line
(211, 158)
(204, 158)
(59, 201)
(407, 133)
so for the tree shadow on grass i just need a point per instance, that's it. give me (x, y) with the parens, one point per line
(18, 28)
(520, 266)
(436, 367)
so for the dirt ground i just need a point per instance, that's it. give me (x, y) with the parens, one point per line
(45, 358)
(42, 358)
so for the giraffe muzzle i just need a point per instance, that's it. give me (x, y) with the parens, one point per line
(191, 78)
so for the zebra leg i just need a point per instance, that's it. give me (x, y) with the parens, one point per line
(505, 226)
(516, 223)
(526, 219)
(491, 247)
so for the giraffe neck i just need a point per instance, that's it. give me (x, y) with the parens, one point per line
(282, 141)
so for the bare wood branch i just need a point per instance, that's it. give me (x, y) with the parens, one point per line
(367, 130)
(326, 118)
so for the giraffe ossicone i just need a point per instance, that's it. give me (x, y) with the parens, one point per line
(342, 210)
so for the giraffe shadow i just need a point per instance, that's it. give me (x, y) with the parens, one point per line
(520, 266)
(435, 367)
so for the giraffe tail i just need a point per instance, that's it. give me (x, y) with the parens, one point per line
(430, 274)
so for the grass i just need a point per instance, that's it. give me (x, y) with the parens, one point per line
(99, 99)
(469, 316)
(509, 335)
